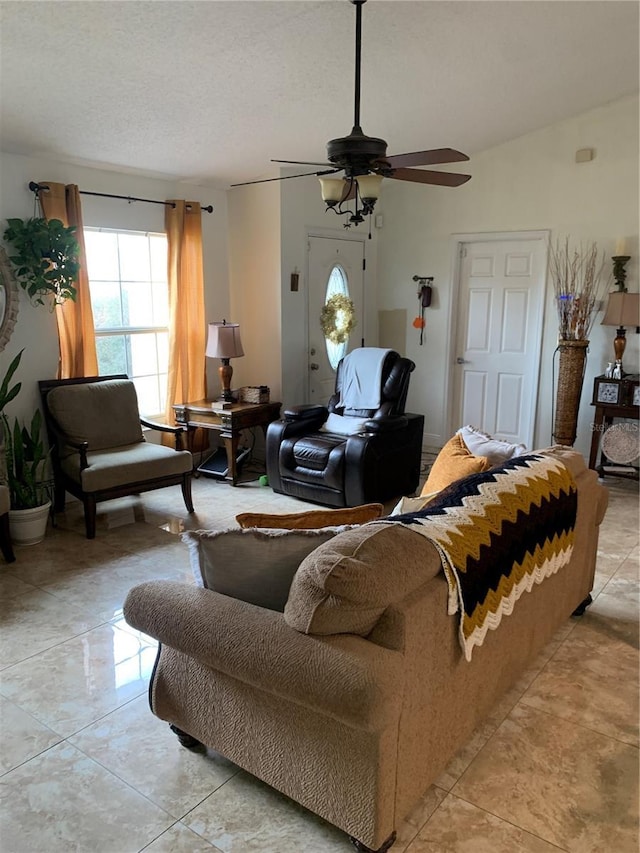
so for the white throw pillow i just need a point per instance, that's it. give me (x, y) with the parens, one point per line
(482, 444)
(343, 426)
(405, 505)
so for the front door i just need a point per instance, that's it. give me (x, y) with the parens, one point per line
(499, 332)
(335, 272)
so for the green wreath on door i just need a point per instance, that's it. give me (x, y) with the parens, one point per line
(337, 318)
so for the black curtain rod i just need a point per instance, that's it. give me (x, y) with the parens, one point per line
(36, 188)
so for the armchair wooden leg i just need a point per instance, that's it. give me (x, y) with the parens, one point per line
(5, 539)
(90, 516)
(186, 492)
(362, 848)
(58, 497)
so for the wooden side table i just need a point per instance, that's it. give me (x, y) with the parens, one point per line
(228, 422)
(612, 399)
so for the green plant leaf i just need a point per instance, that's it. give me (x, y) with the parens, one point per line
(7, 394)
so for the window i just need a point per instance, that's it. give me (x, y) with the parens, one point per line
(130, 300)
(336, 284)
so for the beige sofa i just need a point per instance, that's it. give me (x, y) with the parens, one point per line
(354, 726)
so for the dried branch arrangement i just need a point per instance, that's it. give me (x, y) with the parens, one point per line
(578, 284)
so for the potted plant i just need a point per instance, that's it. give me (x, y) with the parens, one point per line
(22, 467)
(46, 258)
(29, 489)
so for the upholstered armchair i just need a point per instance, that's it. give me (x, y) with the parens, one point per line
(361, 447)
(98, 449)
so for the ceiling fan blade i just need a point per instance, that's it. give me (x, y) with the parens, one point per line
(429, 176)
(303, 163)
(427, 158)
(286, 177)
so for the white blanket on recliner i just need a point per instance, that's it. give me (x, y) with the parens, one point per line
(362, 378)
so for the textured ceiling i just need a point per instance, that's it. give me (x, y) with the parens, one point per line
(208, 92)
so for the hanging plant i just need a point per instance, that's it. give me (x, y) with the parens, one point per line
(46, 258)
(337, 318)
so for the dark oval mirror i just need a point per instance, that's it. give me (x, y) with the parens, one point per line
(8, 299)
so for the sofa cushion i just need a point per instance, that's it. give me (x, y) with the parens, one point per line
(482, 444)
(453, 462)
(312, 519)
(343, 425)
(253, 565)
(345, 585)
(104, 414)
(134, 463)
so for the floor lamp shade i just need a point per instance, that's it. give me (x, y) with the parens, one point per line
(623, 309)
(224, 342)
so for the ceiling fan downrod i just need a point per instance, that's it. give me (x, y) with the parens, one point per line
(357, 152)
(356, 105)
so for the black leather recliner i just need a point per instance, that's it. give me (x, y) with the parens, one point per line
(338, 470)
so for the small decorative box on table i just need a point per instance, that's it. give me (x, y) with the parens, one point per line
(254, 394)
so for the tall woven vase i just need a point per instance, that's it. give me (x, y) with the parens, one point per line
(573, 356)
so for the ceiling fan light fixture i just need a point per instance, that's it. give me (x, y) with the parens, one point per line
(332, 190)
(364, 161)
(369, 188)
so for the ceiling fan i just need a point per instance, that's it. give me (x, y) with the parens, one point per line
(364, 160)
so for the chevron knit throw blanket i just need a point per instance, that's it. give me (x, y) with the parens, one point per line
(497, 534)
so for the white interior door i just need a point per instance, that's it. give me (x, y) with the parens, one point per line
(498, 340)
(335, 266)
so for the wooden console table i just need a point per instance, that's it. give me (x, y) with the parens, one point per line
(612, 399)
(228, 422)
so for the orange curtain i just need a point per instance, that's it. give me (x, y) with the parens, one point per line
(76, 333)
(186, 380)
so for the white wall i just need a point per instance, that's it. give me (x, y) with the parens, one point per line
(36, 327)
(530, 183)
(254, 282)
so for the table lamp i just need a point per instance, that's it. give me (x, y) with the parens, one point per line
(224, 343)
(623, 309)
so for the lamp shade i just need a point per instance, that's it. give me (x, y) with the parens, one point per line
(224, 341)
(369, 186)
(623, 309)
(332, 189)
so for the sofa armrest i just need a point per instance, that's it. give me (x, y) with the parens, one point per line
(384, 425)
(308, 411)
(343, 676)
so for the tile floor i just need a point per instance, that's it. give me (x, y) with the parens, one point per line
(86, 767)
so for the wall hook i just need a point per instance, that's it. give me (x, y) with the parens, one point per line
(424, 298)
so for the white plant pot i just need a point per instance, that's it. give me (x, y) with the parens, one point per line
(28, 526)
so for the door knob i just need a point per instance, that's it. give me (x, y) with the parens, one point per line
(460, 360)
(314, 366)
